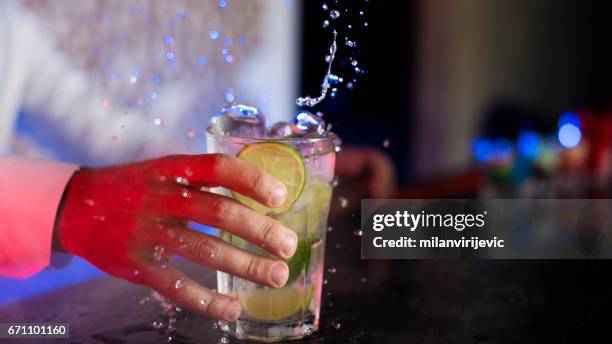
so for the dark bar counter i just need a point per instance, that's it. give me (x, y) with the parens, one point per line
(370, 302)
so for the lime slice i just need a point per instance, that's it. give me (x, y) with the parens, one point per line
(282, 162)
(301, 258)
(275, 304)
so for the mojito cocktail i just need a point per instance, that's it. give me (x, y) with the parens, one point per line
(303, 160)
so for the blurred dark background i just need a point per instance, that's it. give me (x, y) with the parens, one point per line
(454, 86)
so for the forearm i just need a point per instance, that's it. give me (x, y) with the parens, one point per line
(30, 194)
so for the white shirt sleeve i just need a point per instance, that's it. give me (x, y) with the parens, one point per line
(63, 98)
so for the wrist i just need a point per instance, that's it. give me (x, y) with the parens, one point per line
(64, 212)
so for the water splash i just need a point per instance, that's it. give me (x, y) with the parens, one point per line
(309, 101)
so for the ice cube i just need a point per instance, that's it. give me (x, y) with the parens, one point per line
(309, 123)
(284, 129)
(239, 120)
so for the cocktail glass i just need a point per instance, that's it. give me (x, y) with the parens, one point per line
(292, 311)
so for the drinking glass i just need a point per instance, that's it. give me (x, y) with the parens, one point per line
(293, 311)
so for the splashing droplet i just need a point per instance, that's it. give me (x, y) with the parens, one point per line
(190, 133)
(157, 325)
(309, 101)
(158, 252)
(179, 283)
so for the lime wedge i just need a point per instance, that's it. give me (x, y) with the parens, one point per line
(274, 304)
(282, 162)
(301, 258)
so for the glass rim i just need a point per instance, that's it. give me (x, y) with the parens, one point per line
(331, 137)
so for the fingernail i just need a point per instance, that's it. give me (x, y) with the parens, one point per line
(289, 245)
(233, 311)
(279, 194)
(279, 274)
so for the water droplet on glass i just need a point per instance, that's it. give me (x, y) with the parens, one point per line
(185, 193)
(179, 283)
(308, 331)
(386, 143)
(354, 63)
(224, 340)
(325, 24)
(329, 228)
(324, 7)
(335, 182)
(169, 339)
(90, 202)
(215, 325)
(100, 218)
(157, 121)
(343, 202)
(162, 178)
(336, 326)
(361, 13)
(325, 281)
(332, 270)
(136, 272)
(358, 233)
(363, 280)
(334, 14)
(157, 325)
(203, 302)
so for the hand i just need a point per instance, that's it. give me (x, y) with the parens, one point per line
(363, 173)
(129, 220)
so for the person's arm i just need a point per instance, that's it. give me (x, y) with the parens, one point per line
(30, 192)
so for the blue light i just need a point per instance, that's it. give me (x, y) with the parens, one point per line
(569, 117)
(503, 147)
(222, 3)
(528, 144)
(482, 149)
(214, 34)
(569, 135)
(169, 55)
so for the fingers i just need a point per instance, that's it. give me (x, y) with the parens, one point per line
(179, 288)
(225, 213)
(213, 170)
(379, 170)
(219, 255)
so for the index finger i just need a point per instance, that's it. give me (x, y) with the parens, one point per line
(214, 170)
